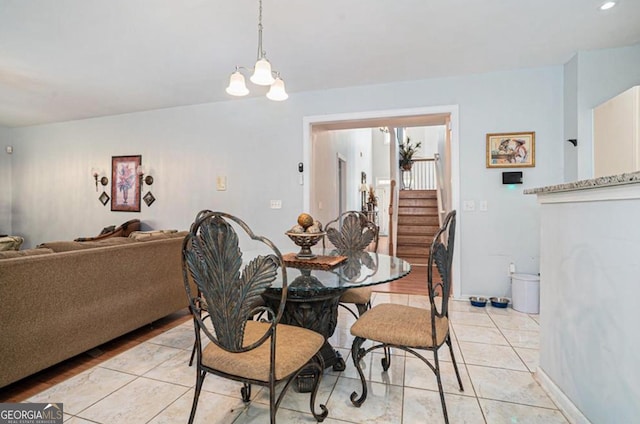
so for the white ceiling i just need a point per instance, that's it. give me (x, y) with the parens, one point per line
(69, 59)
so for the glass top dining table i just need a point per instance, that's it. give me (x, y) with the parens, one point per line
(313, 294)
(357, 270)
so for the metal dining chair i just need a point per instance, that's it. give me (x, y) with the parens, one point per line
(351, 234)
(263, 352)
(411, 328)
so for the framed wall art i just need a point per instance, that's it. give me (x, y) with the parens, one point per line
(125, 186)
(511, 150)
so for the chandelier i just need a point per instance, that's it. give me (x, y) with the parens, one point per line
(262, 73)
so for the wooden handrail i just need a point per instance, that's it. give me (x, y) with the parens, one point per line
(393, 189)
(439, 190)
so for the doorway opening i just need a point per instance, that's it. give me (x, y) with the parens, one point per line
(428, 116)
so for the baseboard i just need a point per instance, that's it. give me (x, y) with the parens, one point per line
(571, 412)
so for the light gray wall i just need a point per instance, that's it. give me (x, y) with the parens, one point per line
(602, 74)
(380, 153)
(588, 301)
(5, 183)
(257, 144)
(571, 119)
(430, 138)
(355, 147)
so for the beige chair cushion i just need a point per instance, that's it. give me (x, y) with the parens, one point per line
(295, 346)
(359, 295)
(10, 243)
(27, 252)
(400, 325)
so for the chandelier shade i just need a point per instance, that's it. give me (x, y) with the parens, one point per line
(262, 73)
(237, 86)
(277, 92)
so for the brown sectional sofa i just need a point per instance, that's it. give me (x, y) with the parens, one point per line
(58, 303)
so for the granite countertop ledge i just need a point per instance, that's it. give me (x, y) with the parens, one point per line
(613, 180)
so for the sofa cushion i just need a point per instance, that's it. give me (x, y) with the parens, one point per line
(164, 236)
(107, 230)
(10, 243)
(66, 246)
(155, 234)
(112, 231)
(27, 252)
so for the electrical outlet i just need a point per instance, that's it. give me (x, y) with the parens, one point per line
(276, 204)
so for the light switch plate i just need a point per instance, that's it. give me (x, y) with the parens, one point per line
(469, 205)
(221, 183)
(483, 205)
(276, 204)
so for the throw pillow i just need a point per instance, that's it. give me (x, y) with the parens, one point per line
(27, 252)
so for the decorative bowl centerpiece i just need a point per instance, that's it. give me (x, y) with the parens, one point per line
(307, 233)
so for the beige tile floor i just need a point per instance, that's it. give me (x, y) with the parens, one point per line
(496, 349)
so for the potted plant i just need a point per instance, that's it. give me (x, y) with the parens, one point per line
(407, 150)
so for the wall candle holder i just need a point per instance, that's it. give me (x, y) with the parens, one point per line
(103, 180)
(97, 173)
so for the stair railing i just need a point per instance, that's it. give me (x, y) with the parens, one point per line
(391, 223)
(440, 192)
(423, 174)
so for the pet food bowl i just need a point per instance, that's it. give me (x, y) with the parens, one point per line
(499, 302)
(478, 301)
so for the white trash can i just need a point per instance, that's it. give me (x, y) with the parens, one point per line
(525, 292)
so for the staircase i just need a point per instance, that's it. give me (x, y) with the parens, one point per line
(417, 224)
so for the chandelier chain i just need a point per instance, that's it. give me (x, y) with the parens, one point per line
(262, 73)
(260, 51)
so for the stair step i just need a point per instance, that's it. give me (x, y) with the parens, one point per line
(424, 203)
(418, 194)
(418, 220)
(414, 240)
(413, 251)
(418, 229)
(415, 261)
(430, 211)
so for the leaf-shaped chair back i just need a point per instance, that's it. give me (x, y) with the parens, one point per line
(441, 254)
(212, 258)
(352, 232)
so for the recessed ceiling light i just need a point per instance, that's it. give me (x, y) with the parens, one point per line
(607, 5)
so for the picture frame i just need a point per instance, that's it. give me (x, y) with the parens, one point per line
(125, 183)
(104, 198)
(511, 150)
(149, 198)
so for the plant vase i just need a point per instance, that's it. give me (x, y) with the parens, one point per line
(406, 178)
